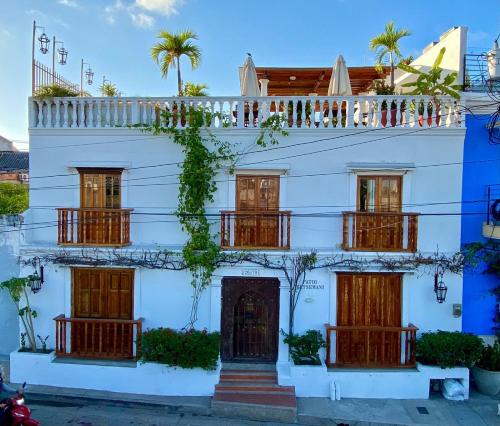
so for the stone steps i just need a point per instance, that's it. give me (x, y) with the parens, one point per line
(253, 394)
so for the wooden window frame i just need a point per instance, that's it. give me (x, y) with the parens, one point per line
(378, 186)
(102, 173)
(259, 177)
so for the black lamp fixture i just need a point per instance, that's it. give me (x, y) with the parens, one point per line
(63, 55)
(44, 43)
(440, 288)
(36, 279)
(89, 75)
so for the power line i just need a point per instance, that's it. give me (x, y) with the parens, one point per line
(259, 150)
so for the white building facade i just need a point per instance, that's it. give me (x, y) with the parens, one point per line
(364, 187)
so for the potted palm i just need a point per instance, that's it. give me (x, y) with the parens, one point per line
(487, 371)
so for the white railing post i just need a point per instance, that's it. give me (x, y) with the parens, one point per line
(65, 113)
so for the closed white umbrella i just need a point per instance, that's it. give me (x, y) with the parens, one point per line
(340, 84)
(249, 85)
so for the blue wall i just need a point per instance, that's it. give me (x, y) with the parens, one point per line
(478, 304)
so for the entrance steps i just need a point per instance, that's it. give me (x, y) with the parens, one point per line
(251, 391)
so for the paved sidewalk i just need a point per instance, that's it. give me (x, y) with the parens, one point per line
(479, 410)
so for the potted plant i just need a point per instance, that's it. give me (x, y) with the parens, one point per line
(432, 84)
(381, 88)
(304, 348)
(487, 371)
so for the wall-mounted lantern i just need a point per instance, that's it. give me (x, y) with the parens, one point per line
(36, 279)
(440, 288)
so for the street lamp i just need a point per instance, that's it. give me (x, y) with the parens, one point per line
(62, 56)
(89, 76)
(44, 48)
(44, 43)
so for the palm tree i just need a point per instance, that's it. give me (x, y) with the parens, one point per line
(194, 89)
(167, 52)
(387, 44)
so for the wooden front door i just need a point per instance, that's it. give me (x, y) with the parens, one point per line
(99, 189)
(376, 228)
(250, 308)
(257, 206)
(107, 296)
(366, 303)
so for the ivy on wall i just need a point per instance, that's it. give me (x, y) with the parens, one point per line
(204, 156)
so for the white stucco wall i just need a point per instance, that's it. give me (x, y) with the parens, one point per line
(10, 225)
(154, 190)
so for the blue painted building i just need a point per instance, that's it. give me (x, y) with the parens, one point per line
(479, 305)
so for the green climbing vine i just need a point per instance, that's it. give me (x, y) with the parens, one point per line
(204, 155)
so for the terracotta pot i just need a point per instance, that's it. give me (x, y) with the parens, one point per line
(383, 120)
(421, 120)
(393, 117)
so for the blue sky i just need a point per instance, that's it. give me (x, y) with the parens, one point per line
(115, 37)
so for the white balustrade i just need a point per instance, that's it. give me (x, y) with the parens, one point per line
(297, 112)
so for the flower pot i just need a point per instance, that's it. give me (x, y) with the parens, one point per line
(488, 382)
(383, 119)
(421, 120)
(393, 117)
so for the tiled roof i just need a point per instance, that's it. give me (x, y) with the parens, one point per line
(11, 161)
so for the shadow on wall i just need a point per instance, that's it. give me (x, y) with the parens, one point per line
(9, 267)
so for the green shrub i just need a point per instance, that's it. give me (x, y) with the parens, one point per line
(55, 91)
(449, 349)
(490, 358)
(304, 348)
(14, 198)
(186, 349)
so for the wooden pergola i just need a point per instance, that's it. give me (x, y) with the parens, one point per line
(303, 81)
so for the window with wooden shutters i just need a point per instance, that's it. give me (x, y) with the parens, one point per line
(100, 188)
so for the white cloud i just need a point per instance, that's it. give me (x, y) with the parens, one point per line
(142, 20)
(165, 7)
(69, 3)
(138, 17)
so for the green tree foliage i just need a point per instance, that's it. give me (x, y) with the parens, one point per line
(386, 45)
(109, 89)
(54, 91)
(431, 83)
(193, 89)
(14, 198)
(168, 51)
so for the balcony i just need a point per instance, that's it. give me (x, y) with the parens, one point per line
(266, 230)
(371, 346)
(491, 228)
(306, 112)
(93, 227)
(367, 231)
(98, 338)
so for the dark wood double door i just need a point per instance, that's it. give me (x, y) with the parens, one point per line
(250, 315)
(102, 313)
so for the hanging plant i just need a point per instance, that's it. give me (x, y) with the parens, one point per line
(204, 156)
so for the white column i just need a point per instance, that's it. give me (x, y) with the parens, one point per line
(284, 315)
(263, 86)
(215, 305)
